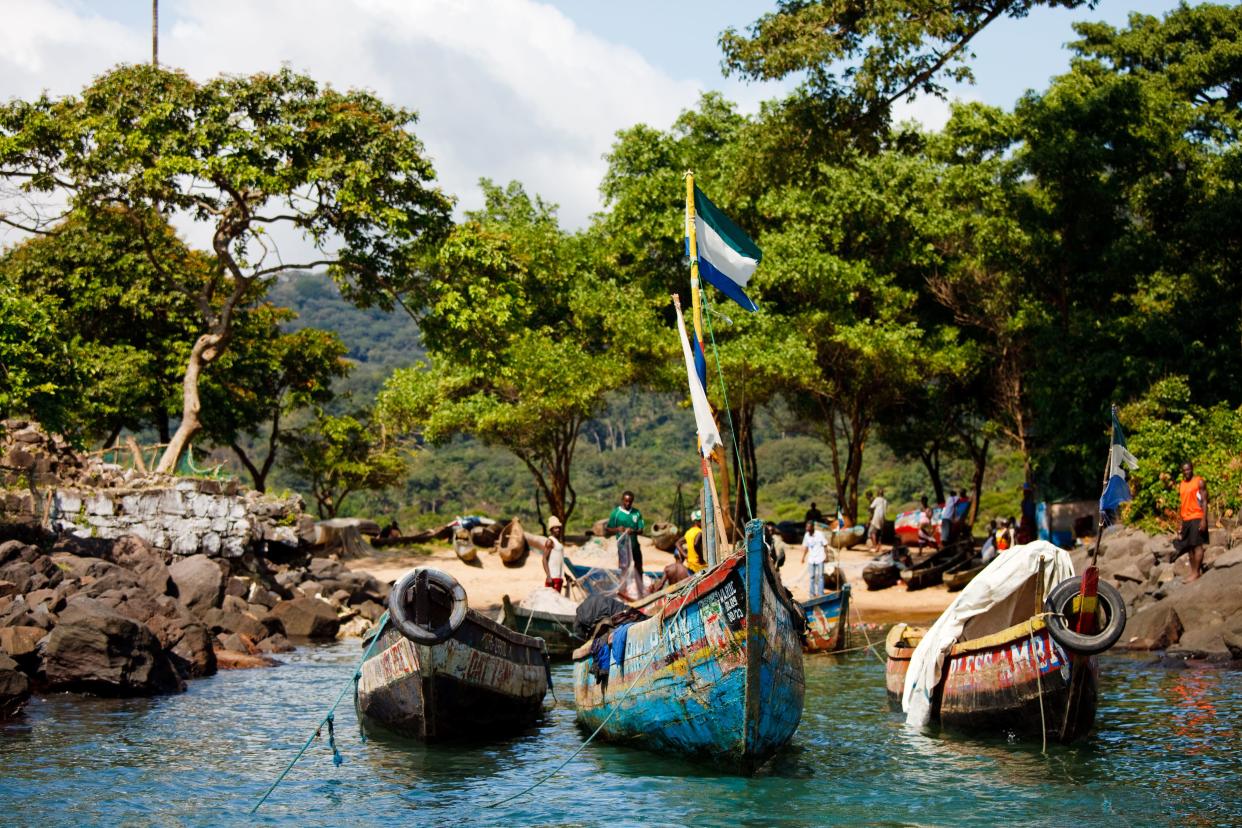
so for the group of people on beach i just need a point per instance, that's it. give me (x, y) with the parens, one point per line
(626, 524)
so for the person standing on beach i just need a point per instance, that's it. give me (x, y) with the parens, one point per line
(946, 518)
(1026, 528)
(878, 508)
(1193, 497)
(814, 552)
(554, 556)
(626, 523)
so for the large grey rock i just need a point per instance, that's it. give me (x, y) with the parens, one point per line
(95, 649)
(200, 583)
(218, 621)
(1154, 627)
(19, 642)
(1231, 557)
(307, 618)
(145, 561)
(14, 688)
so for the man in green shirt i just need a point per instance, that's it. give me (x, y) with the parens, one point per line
(626, 523)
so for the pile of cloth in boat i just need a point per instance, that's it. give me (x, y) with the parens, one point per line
(606, 621)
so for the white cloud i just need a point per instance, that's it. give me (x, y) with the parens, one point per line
(928, 111)
(507, 89)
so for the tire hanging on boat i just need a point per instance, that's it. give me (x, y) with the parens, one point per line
(1060, 608)
(404, 616)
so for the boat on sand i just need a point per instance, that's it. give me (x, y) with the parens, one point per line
(546, 614)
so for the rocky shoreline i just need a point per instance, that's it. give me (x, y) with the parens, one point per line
(113, 618)
(1200, 619)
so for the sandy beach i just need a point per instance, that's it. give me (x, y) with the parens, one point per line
(487, 579)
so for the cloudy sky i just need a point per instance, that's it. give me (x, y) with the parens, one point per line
(507, 89)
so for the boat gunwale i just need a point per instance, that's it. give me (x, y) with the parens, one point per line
(1008, 635)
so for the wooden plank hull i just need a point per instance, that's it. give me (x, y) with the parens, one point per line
(555, 629)
(1000, 684)
(483, 682)
(716, 671)
(899, 646)
(827, 619)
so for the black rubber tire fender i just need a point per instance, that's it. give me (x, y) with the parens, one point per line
(1059, 606)
(414, 631)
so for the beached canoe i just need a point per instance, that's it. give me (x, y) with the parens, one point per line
(962, 574)
(992, 664)
(512, 542)
(555, 628)
(899, 646)
(664, 536)
(848, 537)
(443, 671)
(930, 571)
(827, 619)
(464, 546)
(714, 671)
(882, 571)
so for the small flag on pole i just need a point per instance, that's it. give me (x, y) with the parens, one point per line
(1116, 489)
(727, 256)
(709, 435)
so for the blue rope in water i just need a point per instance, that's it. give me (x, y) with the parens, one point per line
(737, 450)
(329, 719)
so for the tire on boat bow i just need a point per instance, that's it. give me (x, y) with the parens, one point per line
(1061, 614)
(413, 609)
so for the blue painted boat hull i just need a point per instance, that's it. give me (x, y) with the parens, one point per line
(827, 618)
(715, 671)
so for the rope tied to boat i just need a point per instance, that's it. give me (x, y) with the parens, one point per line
(329, 718)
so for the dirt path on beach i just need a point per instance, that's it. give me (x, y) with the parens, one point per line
(488, 579)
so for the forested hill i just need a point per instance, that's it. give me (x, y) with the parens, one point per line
(377, 341)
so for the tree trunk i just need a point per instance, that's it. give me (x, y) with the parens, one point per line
(931, 462)
(205, 349)
(981, 464)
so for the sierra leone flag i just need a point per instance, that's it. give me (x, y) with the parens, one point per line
(1117, 490)
(727, 256)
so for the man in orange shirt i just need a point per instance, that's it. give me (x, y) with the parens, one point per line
(1192, 493)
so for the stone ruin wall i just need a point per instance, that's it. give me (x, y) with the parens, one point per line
(45, 485)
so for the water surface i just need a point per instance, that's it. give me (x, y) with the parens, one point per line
(1165, 752)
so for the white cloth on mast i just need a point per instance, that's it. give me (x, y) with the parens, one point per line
(709, 435)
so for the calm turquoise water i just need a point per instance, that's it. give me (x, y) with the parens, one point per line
(1165, 752)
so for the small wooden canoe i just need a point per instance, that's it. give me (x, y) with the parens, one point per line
(847, 538)
(881, 572)
(899, 646)
(464, 546)
(827, 620)
(556, 629)
(664, 536)
(962, 574)
(930, 571)
(512, 542)
(442, 671)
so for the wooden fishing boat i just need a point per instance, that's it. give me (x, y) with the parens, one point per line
(443, 671)
(962, 574)
(849, 537)
(664, 536)
(715, 671)
(1010, 655)
(512, 542)
(882, 571)
(899, 646)
(555, 628)
(463, 546)
(827, 620)
(930, 571)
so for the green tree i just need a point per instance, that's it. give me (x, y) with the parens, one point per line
(244, 156)
(336, 456)
(267, 375)
(34, 376)
(526, 334)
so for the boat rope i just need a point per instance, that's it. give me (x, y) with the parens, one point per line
(862, 625)
(337, 759)
(737, 451)
(615, 707)
(1039, 676)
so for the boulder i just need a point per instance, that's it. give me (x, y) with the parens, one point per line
(1204, 642)
(370, 610)
(233, 603)
(229, 660)
(326, 568)
(217, 621)
(18, 573)
(237, 587)
(14, 688)
(1130, 572)
(1232, 639)
(1231, 557)
(238, 643)
(261, 595)
(11, 550)
(1154, 627)
(19, 642)
(307, 618)
(354, 628)
(1210, 599)
(275, 643)
(145, 561)
(200, 583)
(96, 649)
(7, 588)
